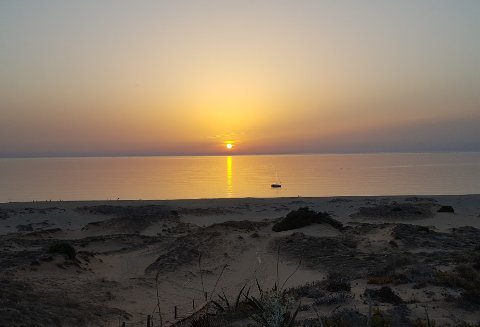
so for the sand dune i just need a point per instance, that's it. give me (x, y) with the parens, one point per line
(124, 247)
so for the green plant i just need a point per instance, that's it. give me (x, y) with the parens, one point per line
(273, 307)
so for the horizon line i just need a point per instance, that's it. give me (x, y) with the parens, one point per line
(127, 155)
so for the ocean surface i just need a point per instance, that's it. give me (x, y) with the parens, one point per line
(238, 176)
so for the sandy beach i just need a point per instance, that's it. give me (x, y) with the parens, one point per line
(404, 257)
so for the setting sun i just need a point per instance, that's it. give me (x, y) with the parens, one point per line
(229, 145)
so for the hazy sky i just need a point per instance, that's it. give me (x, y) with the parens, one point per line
(183, 77)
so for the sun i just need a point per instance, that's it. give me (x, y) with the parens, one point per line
(229, 145)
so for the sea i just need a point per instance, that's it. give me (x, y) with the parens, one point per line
(187, 177)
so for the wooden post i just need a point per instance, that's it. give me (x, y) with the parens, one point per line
(148, 321)
(193, 304)
(175, 311)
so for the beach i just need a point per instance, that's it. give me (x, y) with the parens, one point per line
(239, 163)
(408, 258)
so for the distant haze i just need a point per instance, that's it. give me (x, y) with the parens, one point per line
(187, 76)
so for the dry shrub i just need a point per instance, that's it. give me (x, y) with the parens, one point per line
(380, 280)
(384, 294)
(63, 248)
(336, 282)
(304, 217)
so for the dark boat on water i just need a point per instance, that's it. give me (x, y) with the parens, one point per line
(277, 183)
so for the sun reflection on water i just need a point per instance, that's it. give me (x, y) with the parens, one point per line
(229, 177)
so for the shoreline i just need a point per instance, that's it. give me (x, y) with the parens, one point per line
(246, 198)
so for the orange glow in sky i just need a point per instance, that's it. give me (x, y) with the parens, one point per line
(201, 77)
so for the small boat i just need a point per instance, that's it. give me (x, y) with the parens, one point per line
(276, 184)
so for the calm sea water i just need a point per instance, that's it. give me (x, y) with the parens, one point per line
(238, 176)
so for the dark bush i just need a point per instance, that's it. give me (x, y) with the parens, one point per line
(304, 217)
(345, 318)
(470, 299)
(476, 263)
(461, 277)
(380, 280)
(202, 321)
(332, 291)
(393, 243)
(466, 324)
(446, 209)
(396, 261)
(337, 283)
(312, 290)
(385, 294)
(63, 248)
(380, 319)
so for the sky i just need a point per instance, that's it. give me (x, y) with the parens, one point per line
(180, 77)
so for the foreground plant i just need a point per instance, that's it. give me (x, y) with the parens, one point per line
(231, 306)
(273, 308)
